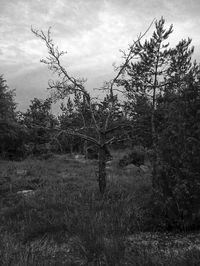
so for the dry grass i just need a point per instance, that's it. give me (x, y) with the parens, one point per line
(67, 222)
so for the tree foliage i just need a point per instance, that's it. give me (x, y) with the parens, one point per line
(7, 104)
(179, 142)
(167, 81)
(39, 122)
(10, 132)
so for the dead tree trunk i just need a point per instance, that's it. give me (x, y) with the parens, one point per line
(102, 164)
(102, 169)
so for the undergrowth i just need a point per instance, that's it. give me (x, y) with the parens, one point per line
(68, 222)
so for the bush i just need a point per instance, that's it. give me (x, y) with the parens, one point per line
(137, 157)
(178, 182)
(177, 200)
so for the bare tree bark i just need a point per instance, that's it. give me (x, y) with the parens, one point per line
(102, 169)
(102, 162)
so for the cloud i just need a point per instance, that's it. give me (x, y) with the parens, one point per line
(92, 31)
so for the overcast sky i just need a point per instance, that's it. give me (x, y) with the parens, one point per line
(92, 31)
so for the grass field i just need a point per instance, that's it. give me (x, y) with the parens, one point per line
(64, 220)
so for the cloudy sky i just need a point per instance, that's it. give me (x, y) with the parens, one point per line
(92, 31)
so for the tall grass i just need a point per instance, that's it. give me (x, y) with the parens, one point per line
(68, 222)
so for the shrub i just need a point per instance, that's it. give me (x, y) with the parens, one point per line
(136, 156)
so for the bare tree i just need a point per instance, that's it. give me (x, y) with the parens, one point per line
(67, 85)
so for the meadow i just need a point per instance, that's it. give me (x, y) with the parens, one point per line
(62, 219)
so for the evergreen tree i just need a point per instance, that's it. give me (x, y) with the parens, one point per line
(11, 133)
(40, 122)
(7, 104)
(170, 81)
(179, 142)
(147, 76)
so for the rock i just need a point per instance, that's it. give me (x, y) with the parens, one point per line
(92, 153)
(79, 157)
(26, 193)
(131, 168)
(21, 172)
(144, 168)
(108, 165)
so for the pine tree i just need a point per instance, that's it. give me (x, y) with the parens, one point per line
(7, 104)
(10, 132)
(179, 143)
(147, 76)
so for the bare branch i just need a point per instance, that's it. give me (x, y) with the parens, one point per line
(53, 61)
(80, 135)
(62, 87)
(115, 140)
(131, 54)
(120, 126)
